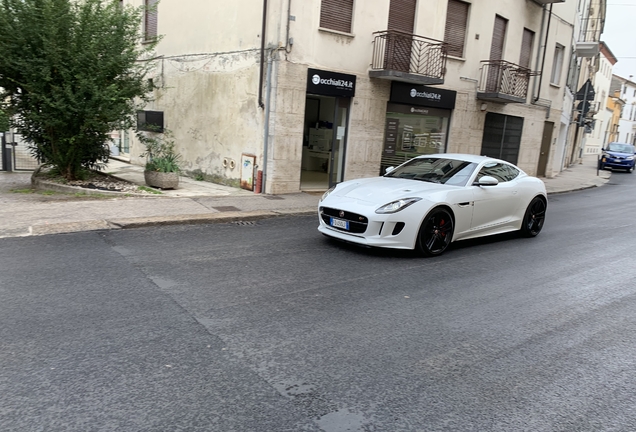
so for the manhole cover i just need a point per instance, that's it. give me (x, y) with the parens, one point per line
(273, 197)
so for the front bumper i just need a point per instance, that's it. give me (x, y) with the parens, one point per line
(397, 230)
(617, 163)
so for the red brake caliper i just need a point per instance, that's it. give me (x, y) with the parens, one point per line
(441, 225)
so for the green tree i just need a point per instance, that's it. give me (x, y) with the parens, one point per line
(72, 71)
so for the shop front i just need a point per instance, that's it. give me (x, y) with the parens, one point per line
(326, 120)
(417, 122)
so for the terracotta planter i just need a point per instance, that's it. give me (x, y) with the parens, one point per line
(162, 180)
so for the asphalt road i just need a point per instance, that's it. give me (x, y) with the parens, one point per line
(268, 326)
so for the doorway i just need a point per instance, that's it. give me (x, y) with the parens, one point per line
(546, 141)
(324, 141)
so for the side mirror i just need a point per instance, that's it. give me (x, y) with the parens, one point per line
(389, 169)
(488, 181)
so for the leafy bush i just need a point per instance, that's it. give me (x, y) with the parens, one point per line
(70, 73)
(160, 153)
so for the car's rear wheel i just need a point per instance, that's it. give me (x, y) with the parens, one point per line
(435, 233)
(534, 217)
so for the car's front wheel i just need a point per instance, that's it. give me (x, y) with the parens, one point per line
(435, 233)
(630, 169)
(534, 218)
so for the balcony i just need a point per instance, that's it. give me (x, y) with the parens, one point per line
(400, 56)
(503, 82)
(587, 43)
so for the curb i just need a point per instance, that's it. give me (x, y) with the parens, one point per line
(204, 218)
(129, 223)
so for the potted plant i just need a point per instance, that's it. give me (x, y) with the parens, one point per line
(162, 161)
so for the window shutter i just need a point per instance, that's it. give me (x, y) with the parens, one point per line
(526, 48)
(151, 19)
(455, 33)
(336, 15)
(402, 15)
(498, 37)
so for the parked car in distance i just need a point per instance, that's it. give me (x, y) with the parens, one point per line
(618, 156)
(433, 200)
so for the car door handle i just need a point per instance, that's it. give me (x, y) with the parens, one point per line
(465, 204)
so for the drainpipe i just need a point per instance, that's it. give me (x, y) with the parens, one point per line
(266, 128)
(545, 49)
(260, 77)
(536, 78)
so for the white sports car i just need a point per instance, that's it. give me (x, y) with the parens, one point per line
(433, 200)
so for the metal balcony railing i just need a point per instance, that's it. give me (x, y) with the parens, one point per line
(590, 30)
(504, 79)
(402, 52)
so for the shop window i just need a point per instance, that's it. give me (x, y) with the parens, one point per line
(455, 32)
(336, 15)
(413, 131)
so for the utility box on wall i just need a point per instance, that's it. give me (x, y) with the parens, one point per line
(248, 164)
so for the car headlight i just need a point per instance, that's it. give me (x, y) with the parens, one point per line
(326, 194)
(605, 155)
(629, 158)
(396, 206)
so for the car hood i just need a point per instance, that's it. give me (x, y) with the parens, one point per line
(382, 190)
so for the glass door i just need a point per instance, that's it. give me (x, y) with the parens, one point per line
(338, 146)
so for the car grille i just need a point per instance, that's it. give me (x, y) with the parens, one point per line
(357, 223)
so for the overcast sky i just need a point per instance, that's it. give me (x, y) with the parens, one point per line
(620, 35)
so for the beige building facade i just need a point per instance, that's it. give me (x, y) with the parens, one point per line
(291, 95)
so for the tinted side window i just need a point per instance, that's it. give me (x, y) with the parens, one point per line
(512, 172)
(502, 172)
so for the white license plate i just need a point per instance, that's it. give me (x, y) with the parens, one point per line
(337, 223)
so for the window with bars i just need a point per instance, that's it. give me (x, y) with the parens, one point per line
(150, 20)
(336, 15)
(456, 23)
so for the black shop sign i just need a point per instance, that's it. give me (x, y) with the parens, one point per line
(413, 94)
(328, 83)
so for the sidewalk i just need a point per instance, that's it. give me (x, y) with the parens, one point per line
(25, 214)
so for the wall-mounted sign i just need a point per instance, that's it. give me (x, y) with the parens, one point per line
(328, 83)
(413, 94)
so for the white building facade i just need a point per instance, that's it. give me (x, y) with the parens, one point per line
(627, 123)
(600, 129)
(585, 60)
(297, 95)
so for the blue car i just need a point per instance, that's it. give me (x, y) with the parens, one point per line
(618, 156)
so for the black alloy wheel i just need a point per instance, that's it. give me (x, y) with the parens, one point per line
(435, 233)
(630, 169)
(534, 218)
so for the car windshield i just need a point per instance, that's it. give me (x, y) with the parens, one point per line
(435, 170)
(621, 148)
